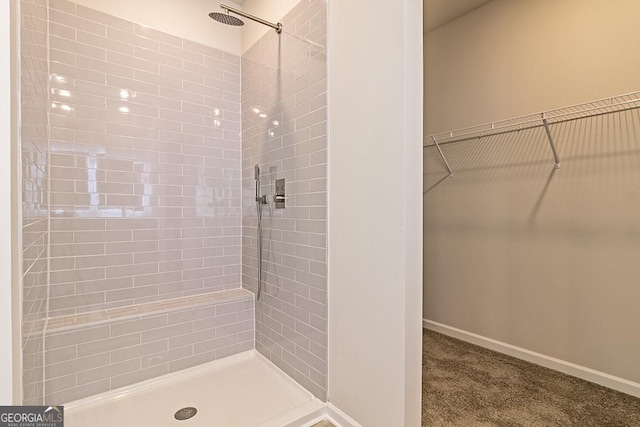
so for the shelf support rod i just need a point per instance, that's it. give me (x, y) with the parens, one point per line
(556, 159)
(442, 155)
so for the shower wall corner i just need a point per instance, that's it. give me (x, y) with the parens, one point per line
(284, 129)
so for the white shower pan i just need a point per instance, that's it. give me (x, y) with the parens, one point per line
(244, 390)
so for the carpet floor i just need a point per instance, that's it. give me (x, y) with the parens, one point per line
(467, 385)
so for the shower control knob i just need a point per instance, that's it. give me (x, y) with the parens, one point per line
(279, 198)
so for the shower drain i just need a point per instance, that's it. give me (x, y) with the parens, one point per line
(185, 413)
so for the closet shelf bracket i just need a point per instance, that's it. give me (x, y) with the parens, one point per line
(443, 157)
(545, 123)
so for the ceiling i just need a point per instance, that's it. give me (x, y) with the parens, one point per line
(440, 12)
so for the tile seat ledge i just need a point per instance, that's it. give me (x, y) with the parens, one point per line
(58, 324)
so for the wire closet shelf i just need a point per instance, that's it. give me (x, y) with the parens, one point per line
(613, 104)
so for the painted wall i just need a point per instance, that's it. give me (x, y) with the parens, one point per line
(552, 57)
(514, 251)
(375, 111)
(6, 182)
(187, 19)
(284, 122)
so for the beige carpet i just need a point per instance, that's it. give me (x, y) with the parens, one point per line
(466, 385)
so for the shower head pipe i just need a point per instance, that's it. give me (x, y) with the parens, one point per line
(277, 27)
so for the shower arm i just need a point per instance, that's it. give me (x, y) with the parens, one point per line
(277, 27)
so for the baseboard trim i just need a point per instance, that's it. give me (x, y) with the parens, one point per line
(582, 372)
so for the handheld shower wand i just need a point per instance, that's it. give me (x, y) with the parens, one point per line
(260, 200)
(256, 172)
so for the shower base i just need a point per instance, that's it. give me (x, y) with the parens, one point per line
(244, 390)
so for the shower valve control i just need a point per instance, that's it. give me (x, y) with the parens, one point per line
(279, 198)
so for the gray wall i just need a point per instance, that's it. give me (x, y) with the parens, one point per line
(542, 260)
(284, 125)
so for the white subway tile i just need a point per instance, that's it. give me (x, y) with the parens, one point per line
(108, 371)
(168, 356)
(168, 331)
(103, 18)
(67, 17)
(141, 350)
(130, 61)
(137, 376)
(105, 285)
(77, 275)
(62, 250)
(131, 270)
(95, 40)
(132, 294)
(61, 384)
(130, 38)
(107, 345)
(179, 52)
(77, 48)
(62, 5)
(151, 55)
(71, 366)
(203, 70)
(103, 66)
(160, 36)
(206, 50)
(233, 349)
(62, 31)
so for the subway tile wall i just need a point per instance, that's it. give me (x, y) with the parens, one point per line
(35, 208)
(145, 164)
(145, 205)
(284, 126)
(143, 167)
(94, 358)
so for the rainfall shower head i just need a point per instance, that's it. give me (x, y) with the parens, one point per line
(227, 19)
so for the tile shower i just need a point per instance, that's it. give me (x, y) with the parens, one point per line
(284, 117)
(139, 229)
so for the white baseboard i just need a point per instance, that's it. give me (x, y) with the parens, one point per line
(601, 378)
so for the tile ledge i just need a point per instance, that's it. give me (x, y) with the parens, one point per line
(58, 324)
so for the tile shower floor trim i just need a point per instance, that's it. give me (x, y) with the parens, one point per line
(244, 390)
